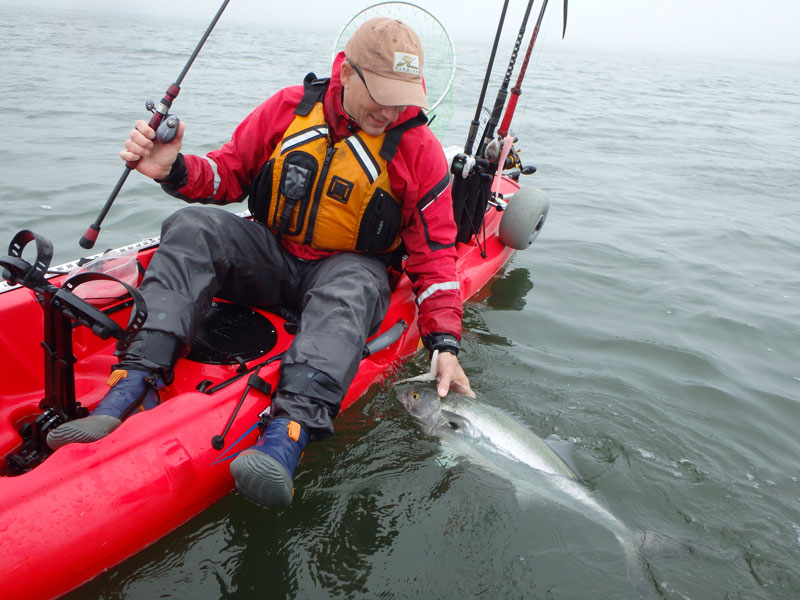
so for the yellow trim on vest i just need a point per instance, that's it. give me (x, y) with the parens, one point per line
(350, 185)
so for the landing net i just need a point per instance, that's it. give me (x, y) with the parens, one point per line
(440, 58)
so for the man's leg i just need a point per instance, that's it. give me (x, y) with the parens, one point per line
(204, 252)
(343, 300)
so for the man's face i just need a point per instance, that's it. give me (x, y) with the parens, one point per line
(373, 118)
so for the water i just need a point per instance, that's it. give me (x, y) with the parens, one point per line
(655, 322)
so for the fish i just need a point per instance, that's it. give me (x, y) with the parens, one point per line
(490, 438)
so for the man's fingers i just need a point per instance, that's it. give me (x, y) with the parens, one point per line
(461, 388)
(444, 384)
(144, 128)
(135, 148)
(452, 376)
(140, 139)
(128, 156)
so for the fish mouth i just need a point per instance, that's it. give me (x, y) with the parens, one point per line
(406, 399)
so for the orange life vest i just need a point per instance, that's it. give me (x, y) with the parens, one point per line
(334, 197)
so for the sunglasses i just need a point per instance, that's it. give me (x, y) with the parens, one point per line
(361, 77)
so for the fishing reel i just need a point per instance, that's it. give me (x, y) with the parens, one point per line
(168, 127)
(513, 161)
(463, 166)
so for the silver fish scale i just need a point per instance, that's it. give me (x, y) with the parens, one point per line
(507, 435)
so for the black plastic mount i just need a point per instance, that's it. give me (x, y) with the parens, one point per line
(62, 310)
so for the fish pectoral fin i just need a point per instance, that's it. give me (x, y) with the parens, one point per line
(565, 450)
(458, 424)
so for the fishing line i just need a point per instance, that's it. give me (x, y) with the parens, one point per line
(225, 456)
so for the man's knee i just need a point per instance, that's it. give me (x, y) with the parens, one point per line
(184, 216)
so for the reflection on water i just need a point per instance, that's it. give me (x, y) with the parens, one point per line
(509, 292)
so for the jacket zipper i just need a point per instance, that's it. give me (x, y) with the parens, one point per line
(323, 176)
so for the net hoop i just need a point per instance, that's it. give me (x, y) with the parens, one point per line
(440, 56)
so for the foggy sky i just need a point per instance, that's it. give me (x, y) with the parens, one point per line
(727, 28)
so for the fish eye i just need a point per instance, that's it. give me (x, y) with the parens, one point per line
(453, 425)
(415, 396)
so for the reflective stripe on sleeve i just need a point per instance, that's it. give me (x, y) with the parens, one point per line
(422, 208)
(216, 174)
(437, 287)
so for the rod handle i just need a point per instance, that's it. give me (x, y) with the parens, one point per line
(90, 237)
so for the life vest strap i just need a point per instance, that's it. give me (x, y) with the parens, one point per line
(393, 135)
(313, 92)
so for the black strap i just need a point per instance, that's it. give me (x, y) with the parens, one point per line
(16, 270)
(259, 383)
(286, 214)
(313, 92)
(84, 313)
(393, 136)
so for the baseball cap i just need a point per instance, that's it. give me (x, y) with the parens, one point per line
(389, 55)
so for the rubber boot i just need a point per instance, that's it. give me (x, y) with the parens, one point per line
(129, 390)
(264, 473)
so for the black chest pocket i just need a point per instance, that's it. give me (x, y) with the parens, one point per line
(260, 193)
(380, 224)
(294, 192)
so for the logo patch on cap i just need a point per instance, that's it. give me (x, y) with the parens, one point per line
(406, 63)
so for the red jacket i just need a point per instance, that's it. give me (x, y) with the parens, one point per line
(419, 176)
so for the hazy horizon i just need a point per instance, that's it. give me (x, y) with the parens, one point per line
(738, 29)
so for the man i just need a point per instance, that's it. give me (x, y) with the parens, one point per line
(339, 174)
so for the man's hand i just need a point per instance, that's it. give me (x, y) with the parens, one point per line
(452, 376)
(155, 159)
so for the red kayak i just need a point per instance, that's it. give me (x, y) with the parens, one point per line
(69, 515)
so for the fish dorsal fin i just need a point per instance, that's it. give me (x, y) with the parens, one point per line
(458, 424)
(565, 451)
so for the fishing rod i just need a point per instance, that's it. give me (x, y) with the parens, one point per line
(516, 91)
(473, 128)
(502, 93)
(165, 125)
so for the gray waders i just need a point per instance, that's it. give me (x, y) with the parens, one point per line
(208, 252)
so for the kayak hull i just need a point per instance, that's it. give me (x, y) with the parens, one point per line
(88, 507)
